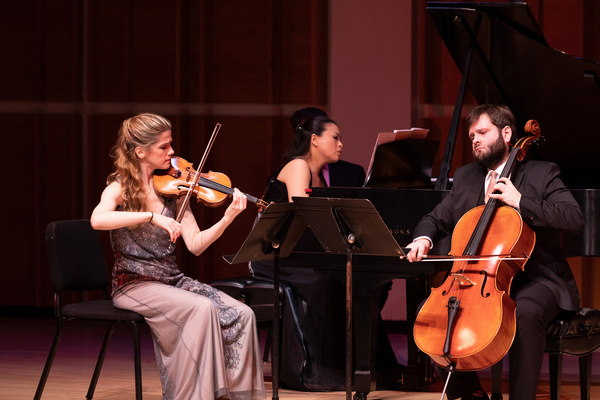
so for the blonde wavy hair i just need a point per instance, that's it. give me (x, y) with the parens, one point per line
(142, 130)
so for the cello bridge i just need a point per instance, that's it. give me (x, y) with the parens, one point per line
(462, 280)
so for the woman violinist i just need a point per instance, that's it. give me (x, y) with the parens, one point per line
(205, 341)
(546, 286)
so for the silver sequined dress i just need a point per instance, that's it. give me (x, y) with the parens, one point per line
(206, 343)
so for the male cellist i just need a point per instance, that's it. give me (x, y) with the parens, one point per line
(547, 286)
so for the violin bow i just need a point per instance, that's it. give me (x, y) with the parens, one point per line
(188, 195)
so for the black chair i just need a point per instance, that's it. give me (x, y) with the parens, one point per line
(258, 295)
(572, 333)
(77, 264)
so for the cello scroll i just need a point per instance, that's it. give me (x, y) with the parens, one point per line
(533, 128)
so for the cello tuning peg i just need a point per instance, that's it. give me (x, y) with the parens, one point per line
(540, 141)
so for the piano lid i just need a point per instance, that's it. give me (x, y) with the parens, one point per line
(402, 163)
(512, 64)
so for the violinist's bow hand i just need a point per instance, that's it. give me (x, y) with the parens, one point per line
(172, 227)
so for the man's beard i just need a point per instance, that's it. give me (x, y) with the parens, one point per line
(495, 156)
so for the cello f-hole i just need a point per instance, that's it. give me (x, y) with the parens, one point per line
(485, 276)
(445, 292)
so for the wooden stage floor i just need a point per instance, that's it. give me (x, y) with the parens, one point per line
(24, 345)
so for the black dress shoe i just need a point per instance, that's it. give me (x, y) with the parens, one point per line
(389, 379)
(478, 395)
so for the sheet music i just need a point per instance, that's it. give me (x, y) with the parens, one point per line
(397, 134)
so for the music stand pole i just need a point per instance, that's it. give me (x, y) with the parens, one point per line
(351, 239)
(274, 235)
(349, 226)
(275, 339)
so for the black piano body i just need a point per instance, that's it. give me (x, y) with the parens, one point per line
(504, 59)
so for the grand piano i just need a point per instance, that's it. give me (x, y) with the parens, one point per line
(504, 59)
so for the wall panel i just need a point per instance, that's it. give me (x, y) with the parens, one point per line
(72, 70)
(20, 51)
(108, 26)
(240, 53)
(20, 204)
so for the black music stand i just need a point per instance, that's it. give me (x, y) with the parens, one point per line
(274, 235)
(350, 226)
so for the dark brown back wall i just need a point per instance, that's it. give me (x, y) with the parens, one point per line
(72, 70)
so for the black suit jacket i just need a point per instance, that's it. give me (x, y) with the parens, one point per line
(343, 173)
(546, 205)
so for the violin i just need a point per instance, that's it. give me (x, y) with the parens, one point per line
(469, 321)
(212, 188)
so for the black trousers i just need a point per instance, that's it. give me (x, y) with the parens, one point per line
(536, 307)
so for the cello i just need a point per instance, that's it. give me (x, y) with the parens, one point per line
(468, 323)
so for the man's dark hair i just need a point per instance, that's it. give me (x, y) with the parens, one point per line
(500, 115)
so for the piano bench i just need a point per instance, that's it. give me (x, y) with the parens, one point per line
(574, 333)
(258, 295)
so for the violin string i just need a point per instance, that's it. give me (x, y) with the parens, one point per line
(203, 160)
(215, 185)
(210, 184)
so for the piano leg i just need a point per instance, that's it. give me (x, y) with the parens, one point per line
(366, 313)
(366, 298)
(419, 370)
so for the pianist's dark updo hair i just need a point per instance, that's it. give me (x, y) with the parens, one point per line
(500, 116)
(301, 144)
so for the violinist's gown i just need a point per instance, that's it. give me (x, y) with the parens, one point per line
(205, 342)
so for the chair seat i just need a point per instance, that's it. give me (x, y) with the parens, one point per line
(99, 310)
(258, 295)
(234, 286)
(576, 333)
(255, 293)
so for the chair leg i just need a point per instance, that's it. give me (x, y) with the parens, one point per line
(497, 381)
(107, 337)
(49, 361)
(555, 367)
(137, 360)
(268, 342)
(585, 376)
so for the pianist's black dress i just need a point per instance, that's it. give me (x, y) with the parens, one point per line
(313, 327)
